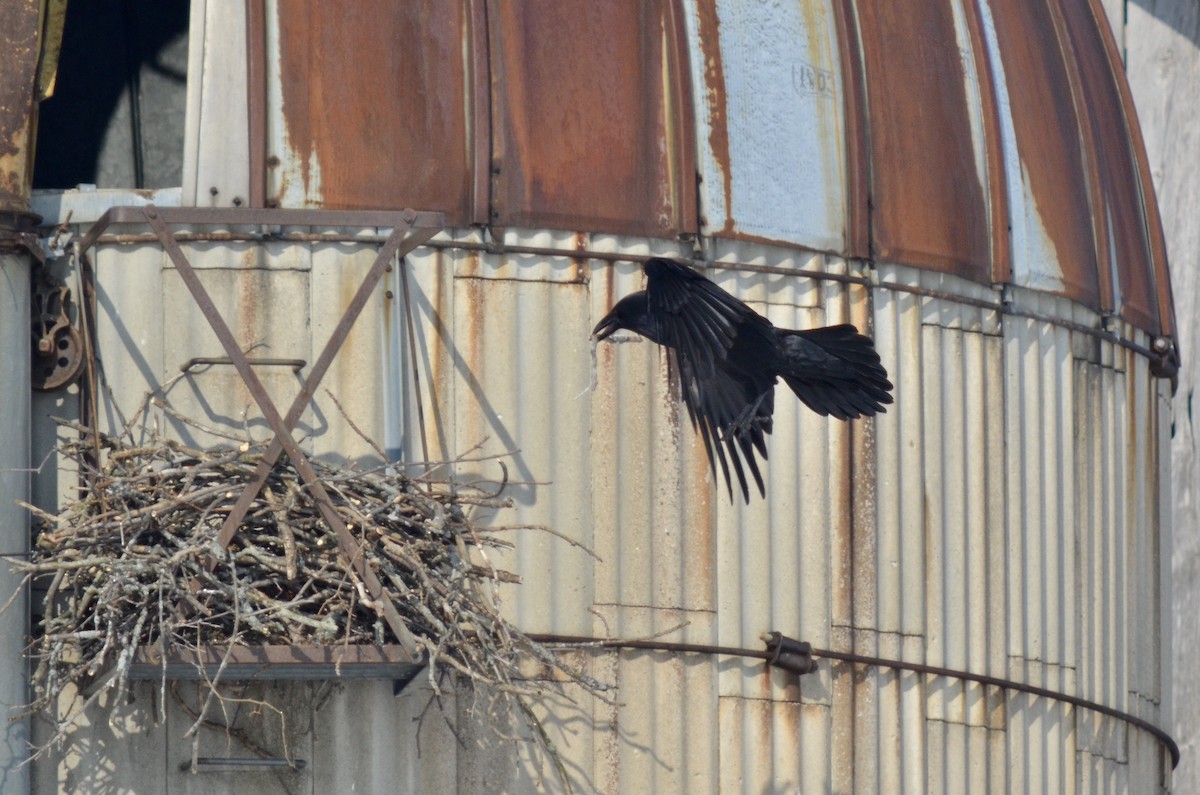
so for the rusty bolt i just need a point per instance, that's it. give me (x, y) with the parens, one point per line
(213, 191)
(388, 294)
(272, 161)
(388, 267)
(237, 201)
(409, 216)
(1162, 344)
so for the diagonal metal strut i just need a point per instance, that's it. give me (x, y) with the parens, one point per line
(392, 247)
(283, 427)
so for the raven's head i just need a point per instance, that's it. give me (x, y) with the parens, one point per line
(631, 312)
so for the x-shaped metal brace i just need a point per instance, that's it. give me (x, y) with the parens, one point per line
(409, 230)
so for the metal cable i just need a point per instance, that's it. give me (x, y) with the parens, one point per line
(879, 662)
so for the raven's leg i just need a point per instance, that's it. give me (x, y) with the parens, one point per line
(747, 419)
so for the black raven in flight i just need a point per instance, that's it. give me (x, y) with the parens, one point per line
(729, 357)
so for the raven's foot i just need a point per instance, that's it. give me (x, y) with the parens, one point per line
(747, 420)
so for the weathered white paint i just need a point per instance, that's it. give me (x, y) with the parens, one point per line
(1033, 256)
(87, 203)
(779, 111)
(1162, 45)
(216, 143)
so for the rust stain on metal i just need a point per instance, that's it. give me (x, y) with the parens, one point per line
(474, 323)
(702, 525)
(1123, 195)
(858, 484)
(997, 181)
(681, 123)
(18, 64)
(927, 201)
(479, 121)
(1099, 180)
(579, 265)
(469, 266)
(1047, 132)
(256, 94)
(716, 100)
(253, 285)
(586, 142)
(441, 389)
(845, 563)
(374, 96)
(858, 213)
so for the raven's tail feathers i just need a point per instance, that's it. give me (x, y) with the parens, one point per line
(836, 371)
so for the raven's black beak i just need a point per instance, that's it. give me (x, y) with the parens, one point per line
(606, 327)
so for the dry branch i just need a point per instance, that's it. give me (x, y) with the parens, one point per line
(129, 564)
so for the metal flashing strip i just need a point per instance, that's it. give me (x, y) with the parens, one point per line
(273, 663)
(795, 654)
(1163, 356)
(254, 216)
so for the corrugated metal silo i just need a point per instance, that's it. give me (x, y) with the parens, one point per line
(962, 179)
(22, 46)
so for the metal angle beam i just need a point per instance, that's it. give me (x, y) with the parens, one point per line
(254, 216)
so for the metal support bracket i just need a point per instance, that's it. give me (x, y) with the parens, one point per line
(409, 230)
(789, 654)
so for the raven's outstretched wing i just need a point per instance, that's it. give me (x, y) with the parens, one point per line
(714, 402)
(700, 323)
(693, 315)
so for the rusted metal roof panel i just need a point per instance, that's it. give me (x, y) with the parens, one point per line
(369, 106)
(1053, 244)
(592, 127)
(985, 138)
(1153, 218)
(928, 184)
(770, 121)
(1120, 208)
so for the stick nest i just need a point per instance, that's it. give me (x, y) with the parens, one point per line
(131, 563)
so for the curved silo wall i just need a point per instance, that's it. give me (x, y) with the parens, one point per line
(1003, 518)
